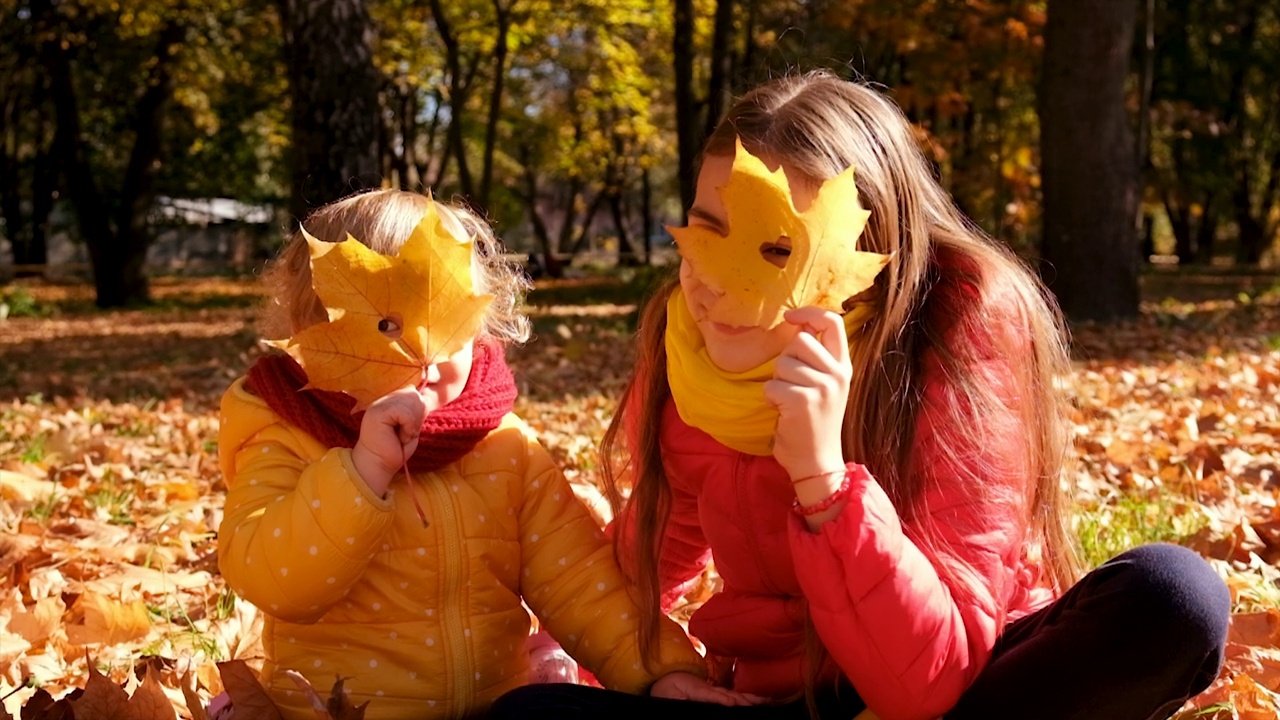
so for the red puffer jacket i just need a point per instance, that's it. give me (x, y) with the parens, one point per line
(909, 634)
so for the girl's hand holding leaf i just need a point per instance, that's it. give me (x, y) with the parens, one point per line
(810, 388)
(388, 436)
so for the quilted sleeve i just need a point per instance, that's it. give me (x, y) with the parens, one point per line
(684, 552)
(571, 581)
(911, 612)
(296, 532)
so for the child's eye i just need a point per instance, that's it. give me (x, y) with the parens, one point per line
(390, 326)
(777, 253)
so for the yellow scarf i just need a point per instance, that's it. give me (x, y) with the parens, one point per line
(729, 407)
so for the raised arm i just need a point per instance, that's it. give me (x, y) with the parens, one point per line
(300, 526)
(910, 609)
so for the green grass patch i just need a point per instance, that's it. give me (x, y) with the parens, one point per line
(35, 451)
(1128, 521)
(19, 302)
(43, 510)
(114, 499)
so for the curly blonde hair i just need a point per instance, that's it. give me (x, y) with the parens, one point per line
(383, 220)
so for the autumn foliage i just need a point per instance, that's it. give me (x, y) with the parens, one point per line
(110, 601)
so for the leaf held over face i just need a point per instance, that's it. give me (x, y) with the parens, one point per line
(389, 317)
(823, 268)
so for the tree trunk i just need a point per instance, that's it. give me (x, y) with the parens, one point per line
(495, 100)
(334, 87)
(429, 145)
(550, 264)
(1205, 235)
(722, 35)
(459, 89)
(24, 123)
(688, 130)
(44, 184)
(746, 70)
(1089, 254)
(646, 214)
(408, 129)
(118, 241)
(1180, 222)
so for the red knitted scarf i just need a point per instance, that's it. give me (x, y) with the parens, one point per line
(448, 433)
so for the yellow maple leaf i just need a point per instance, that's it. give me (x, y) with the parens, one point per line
(109, 621)
(389, 317)
(825, 268)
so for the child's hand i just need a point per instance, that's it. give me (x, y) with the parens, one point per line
(686, 686)
(810, 388)
(388, 436)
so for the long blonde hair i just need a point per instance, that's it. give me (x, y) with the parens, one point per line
(383, 220)
(949, 292)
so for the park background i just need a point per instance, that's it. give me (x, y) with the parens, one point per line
(154, 154)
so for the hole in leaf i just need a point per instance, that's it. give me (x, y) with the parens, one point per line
(392, 326)
(777, 253)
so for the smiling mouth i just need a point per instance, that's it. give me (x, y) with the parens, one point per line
(731, 329)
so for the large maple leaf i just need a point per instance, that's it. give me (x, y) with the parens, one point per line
(389, 317)
(825, 268)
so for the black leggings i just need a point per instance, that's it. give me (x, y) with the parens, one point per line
(1131, 641)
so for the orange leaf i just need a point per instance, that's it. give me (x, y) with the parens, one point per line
(109, 621)
(389, 317)
(1252, 701)
(102, 699)
(824, 267)
(194, 704)
(38, 623)
(249, 700)
(149, 701)
(1258, 628)
(1262, 664)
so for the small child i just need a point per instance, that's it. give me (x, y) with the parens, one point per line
(394, 546)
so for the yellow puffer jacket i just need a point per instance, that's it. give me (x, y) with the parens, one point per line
(427, 622)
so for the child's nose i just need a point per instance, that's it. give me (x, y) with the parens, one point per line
(432, 374)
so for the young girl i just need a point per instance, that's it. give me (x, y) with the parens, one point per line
(410, 585)
(883, 491)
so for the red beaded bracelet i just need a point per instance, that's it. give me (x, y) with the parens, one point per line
(841, 493)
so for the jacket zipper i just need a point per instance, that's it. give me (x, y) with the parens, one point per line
(454, 627)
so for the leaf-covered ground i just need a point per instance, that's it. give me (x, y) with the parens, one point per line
(110, 494)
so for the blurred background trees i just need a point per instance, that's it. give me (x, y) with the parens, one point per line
(575, 123)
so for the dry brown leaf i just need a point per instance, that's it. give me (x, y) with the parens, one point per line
(339, 705)
(249, 699)
(42, 706)
(102, 699)
(109, 621)
(133, 578)
(1261, 664)
(38, 622)
(23, 487)
(149, 701)
(195, 705)
(1252, 701)
(1258, 628)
